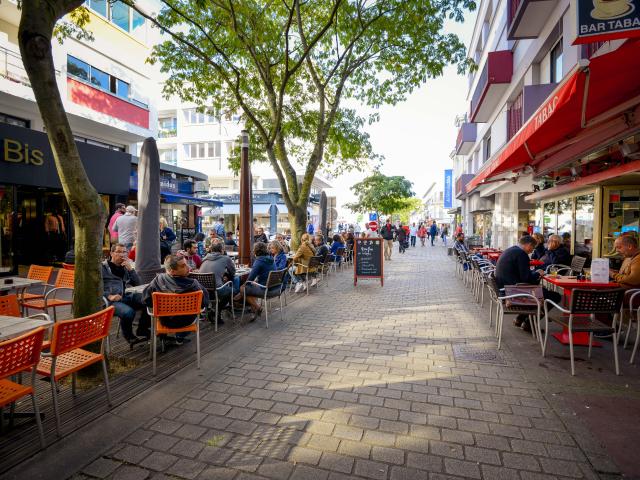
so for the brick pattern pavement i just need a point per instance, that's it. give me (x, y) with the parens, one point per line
(360, 383)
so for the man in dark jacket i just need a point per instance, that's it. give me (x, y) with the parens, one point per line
(175, 280)
(513, 267)
(388, 233)
(117, 275)
(223, 268)
(433, 232)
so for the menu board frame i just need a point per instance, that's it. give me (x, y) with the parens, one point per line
(355, 260)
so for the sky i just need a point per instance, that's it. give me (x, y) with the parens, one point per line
(417, 136)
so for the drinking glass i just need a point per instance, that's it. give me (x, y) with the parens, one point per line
(587, 274)
(553, 271)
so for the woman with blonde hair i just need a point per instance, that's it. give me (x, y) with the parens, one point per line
(539, 250)
(301, 258)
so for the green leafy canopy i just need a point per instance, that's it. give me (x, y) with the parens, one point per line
(383, 194)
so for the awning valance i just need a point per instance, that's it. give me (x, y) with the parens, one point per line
(601, 90)
(171, 197)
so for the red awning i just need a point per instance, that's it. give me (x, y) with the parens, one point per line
(610, 81)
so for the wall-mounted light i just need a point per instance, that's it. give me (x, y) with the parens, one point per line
(190, 179)
(173, 175)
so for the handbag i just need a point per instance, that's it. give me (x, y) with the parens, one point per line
(535, 290)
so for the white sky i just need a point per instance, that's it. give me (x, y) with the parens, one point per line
(417, 136)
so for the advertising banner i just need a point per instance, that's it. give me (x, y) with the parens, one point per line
(600, 20)
(448, 188)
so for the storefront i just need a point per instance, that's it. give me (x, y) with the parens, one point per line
(35, 220)
(481, 210)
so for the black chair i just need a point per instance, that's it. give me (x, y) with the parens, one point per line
(146, 276)
(586, 304)
(208, 281)
(272, 289)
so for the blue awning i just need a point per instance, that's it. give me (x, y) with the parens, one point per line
(171, 197)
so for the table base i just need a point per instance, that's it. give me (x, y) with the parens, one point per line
(580, 339)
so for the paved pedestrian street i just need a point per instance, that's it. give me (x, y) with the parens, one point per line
(358, 382)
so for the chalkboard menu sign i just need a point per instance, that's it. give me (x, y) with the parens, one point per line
(368, 259)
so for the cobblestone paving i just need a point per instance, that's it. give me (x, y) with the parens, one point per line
(361, 383)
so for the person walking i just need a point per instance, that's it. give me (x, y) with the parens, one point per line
(444, 233)
(433, 232)
(422, 234)
(413, 233)
(388, 234)
(401, 235)
(118, 213)
(126, 227)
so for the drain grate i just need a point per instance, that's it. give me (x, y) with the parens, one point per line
(477, 354)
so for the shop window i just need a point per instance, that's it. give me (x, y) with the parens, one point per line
(11, 120)
(565, 221)
(9, 220)
(582, 243)
(549, 220)
(622, 217)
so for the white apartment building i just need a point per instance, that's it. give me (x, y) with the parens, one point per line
(518, 148)
(205, 142)
(434, 209)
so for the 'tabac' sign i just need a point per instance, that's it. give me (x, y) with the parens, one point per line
(448, 188)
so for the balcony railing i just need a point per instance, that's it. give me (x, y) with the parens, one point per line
(461, 183)
(466, 138)
(492, 83)
(11, 66)
(167, 133)
(527, 17)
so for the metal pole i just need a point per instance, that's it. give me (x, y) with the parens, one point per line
(246, 224)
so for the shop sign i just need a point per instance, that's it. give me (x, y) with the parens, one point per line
(15, 151)
(600, 20)
(448, 188)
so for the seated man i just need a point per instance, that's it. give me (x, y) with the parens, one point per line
(224, 270)
(229, 241)
(629, 274)
(513, 267)
(459, 243)
(557, 253)
(175, 280)
(117, 275)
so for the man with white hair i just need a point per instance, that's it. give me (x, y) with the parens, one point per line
(629, 274)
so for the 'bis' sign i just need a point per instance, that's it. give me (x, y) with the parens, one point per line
(600, 20)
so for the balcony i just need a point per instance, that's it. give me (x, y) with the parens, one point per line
(528, 17)
(492, 84)
(98, 100)
(466, 138)
(461, 184)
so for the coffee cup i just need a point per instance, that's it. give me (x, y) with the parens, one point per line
(609, 8)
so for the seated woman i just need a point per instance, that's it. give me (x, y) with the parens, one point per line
(279, 257)
(302, 256)
(262, 265)
(539, 251)
(335, 246)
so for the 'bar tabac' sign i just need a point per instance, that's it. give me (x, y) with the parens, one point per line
(600, 20)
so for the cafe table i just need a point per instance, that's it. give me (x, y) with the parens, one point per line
(567, 284)
(136, 289)
(11, 327)
(8, 284)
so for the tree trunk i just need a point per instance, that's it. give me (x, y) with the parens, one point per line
(35, 32)
(298, 222)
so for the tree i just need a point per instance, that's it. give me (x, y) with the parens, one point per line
(289, 65)
(382, 194)
(411, 205)
(37, 24)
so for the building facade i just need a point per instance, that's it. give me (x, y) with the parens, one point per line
(549, 143)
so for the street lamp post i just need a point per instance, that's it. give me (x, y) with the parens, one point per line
(246, 227)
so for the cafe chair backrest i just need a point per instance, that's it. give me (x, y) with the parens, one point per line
(38, 272)
(65, 278)
(275, 279)
(146, 276)
(315, 262)
(577, 264)
(9, 306)
(585, 301)
(78, 332)
(207, 280)
(172, 304)
(20, 353)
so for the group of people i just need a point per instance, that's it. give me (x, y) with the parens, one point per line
(513, 266)
(405, 235)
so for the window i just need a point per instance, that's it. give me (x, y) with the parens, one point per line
(167, 127)
(193, 117)
(487, 149)
(198, 151)
(11, 120)
(169, 156)
(122, 89)
(77, 68)
(98, 143)
(514, 116)
(137, 22)
(100, 79)
(555, 58)
(98, 6)
(583, 238)
(271, 184)
(119, 14)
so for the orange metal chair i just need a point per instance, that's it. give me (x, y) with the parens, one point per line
(37, 272)
(10, 307)
(171, 305)
(68, 266)
(67, 357)
(64, 281)
(17, 355)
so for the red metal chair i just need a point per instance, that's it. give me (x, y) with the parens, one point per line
(17, 355)
(64, 281)
(10, 307)
(172, 305)
(37, 272)
(67, 356)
